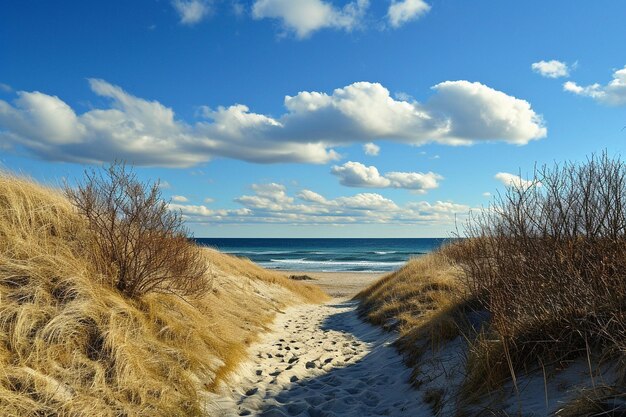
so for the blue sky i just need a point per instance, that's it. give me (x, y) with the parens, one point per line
(259, 115)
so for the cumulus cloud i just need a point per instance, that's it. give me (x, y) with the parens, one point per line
(415, 181)
(512, 180)
(371, 149)
(476, 112)
(268, 196)
(355, 174)
(303, 17)
(612, 94)
(191, 12)
(270, 203)
(312, 197)
(146, 132)
(404, 11)
(191, 213)
(180, 198)
(551, 69)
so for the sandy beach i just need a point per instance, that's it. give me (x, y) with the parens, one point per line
(321, 360)
(340, 284)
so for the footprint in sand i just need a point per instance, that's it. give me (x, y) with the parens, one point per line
(323, 361)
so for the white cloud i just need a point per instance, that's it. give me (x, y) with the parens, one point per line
(403, 11)
(512, 180)
(415, 181)
(191, 12)
(476, 112)
(192, 212)
(6, 88)
(612, 94)
(209, 200)
(303, 17)
(440, 207)
(402, 96)
(146, 132)
(551, 69)
(164, 185)
(180, 198)
(271, 204)
(267, 196)
(366, 201)
(355, 174)
(371, 149)
(486, 194)
(311, 196)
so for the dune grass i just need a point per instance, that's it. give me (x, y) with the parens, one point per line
(547, 264)
(425, 301)
(73, 345)
(429, 303)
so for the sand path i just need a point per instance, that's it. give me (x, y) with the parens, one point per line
(323, 361)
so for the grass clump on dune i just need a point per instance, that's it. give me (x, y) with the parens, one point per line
(425, 301)
(548, 260)
(545, 269)
(74, 344)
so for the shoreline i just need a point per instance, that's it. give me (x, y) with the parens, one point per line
(338, 284)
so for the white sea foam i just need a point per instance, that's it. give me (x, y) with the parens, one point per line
(337, 263)
(253, 252)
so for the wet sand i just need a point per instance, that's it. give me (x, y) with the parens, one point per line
(341, 284)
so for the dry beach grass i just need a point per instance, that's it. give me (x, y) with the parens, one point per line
(423, 301)
(537, 289)
(73, 345)
(549, 263)
(545, 268)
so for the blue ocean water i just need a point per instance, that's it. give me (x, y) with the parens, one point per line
(326, 255)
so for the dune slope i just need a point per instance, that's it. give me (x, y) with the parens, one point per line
(70, 344)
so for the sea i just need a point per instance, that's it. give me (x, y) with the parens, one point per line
(326, 255)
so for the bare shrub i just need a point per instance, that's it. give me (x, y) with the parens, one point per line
(549, 262)
(139, 242)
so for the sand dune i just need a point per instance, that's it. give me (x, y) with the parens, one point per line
(322, 361)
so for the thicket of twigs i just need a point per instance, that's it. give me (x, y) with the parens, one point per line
(548, 260)
(138, 240)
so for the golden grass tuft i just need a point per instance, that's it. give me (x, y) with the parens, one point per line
(72, 345)
(425, 301)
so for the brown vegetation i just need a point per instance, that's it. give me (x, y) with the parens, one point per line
(549, 263)
(72, 344)
(546, 263)
(600, 401)
(138, 240)
(301, 278)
